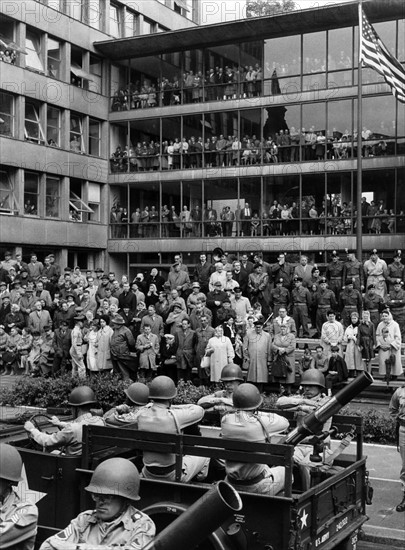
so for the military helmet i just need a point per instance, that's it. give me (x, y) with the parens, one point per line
(10, 463)
(138, 393)
(162, 387)
(313, 377)
(82, 395)
(247, 397)
(115, 476)
(231, 372)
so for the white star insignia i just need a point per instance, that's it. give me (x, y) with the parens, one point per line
(303, 519)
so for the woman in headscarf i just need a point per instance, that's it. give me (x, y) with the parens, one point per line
(351, 338)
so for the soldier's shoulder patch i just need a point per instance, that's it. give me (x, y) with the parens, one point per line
(66, 533)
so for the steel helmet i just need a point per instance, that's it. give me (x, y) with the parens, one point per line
(82, 395)
(231, 372)
(138, 393)
(247, 397)
(10, 463)
(162, 387)
(115, 476)
(313, 377)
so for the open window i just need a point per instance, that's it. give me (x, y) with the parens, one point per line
(6, 114)
(53, 57)
(33, 130)
(34, 59)
(53, 126)
(78, 208)
(8, 203)
(52, 197)
(31, 193)
(76, 133)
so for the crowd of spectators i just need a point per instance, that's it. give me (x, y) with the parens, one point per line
(286, 145)
(192, 87)
(279, 219)
(8, 56)
(52, 321)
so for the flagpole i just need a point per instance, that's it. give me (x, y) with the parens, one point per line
(359, 231)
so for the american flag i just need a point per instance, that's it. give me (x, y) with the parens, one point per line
(375, 55)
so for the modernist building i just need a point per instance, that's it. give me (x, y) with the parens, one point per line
(189, 119)
(54, 110)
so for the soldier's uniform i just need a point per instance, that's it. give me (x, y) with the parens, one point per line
(279, 297)
(352, 269)
(396, 303)
(255, 427)
(334, 274)
(220, 401)
(374, 303)
(132, 528)
(301, 302)
(349, 301)
(397, 411)
(324, 299)
(18, 523)
(395, 270)
(375, 269)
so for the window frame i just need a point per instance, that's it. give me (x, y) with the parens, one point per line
(9, 194)
(50, 126)
(40, 140)
(52, 196)
(75, 133)
(92, 139)
(31, 193)
(35, 52)
(10, 115)
(55, 60)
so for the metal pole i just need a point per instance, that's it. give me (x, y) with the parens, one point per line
(359, 229)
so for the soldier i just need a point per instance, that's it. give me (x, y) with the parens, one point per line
(163, 417)
(231, 378)
(301, 302)
(349, 301)
(248, 424)
(334, 274)
(137, 397)
(69, 439)
(352, 269)
(374, 304)
(204, 332)
(114, 486)
(324, 300)
(396, 270)
(396, 303)
(18, 519)
(375, 272)
(397, 411)
(279, 297)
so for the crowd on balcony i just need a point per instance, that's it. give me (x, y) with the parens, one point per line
(223, 151)
(8, 56)
(280, 220)
(54, 321)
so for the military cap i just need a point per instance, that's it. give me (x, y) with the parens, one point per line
(349, 282)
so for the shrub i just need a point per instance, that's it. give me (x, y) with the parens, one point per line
(379, 427)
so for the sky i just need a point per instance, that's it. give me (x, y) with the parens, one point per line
(216, 11)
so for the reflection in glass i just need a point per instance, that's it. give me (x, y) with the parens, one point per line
(340, 133)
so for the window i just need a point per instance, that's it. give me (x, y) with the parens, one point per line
(148, 26)
(33, 59)
(76, 133)
(53, 118)
(31, 192)
(54, 57)
(6, 114)
(77, 74)
(115, 21)
(33, 128)
(56, 4)
(52, 197)
(94, 14)
(8, 203)
(94, 137)
(94, 195)
(131, 23)
(76, 205)
(7, 44)
(96, 68)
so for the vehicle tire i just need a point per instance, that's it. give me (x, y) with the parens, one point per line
(350, 542)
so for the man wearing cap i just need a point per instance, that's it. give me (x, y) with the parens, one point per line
(301, 302)
(240, 276)
(186, 340)
(194, 297)
(115, 522)
(240, 304)
(349, 301)
(374, 303)
(122, 341)
(15, 292)
(323, 300)
(176, 316)
(396, 304)
(202, 272)
(101, 289)
(18, 517)
(215, 299)
(334, 274)
(257, 350)
(352, 269)
(279, 297)
(197, 313)
(8, 262)
(27, 302)
(375, 272)
(62, 342)
(39, 318)
(219, 275)
(283, 270)
(396, 270)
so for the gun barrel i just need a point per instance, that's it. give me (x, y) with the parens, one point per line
(200, 520)
(313, 423)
